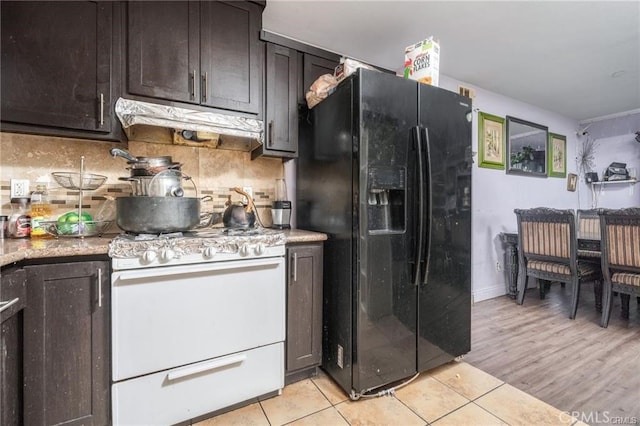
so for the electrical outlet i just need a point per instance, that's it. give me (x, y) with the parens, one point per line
(248, 190)
(19, 188)
(498, 267)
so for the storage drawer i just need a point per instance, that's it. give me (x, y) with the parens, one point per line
(178, 315)
(186, 392)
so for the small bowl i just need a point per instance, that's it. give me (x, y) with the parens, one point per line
(89, 228)
(71, 180)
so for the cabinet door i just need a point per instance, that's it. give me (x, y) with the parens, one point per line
(281, 102)
(314, 67)
(12, 303)
(164, 50)
(304, 306)
(231, 58)
(67, 344)
(56, 64)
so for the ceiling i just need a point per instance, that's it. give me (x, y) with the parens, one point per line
(580, 59)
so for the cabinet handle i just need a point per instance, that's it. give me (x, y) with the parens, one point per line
(193, 85)
(101, 109)
(204, 86)
(295, 267)
(205, 366)
(99, 287)
(5, 305)
(270, 133)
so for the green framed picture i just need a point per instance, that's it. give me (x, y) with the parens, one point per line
(557, 158)
(491, 137)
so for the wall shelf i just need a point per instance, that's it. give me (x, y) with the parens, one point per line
(600, 185)
(613, 182)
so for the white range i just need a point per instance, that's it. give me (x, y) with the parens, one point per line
(198, 323)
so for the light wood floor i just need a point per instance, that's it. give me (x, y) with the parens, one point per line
(574, 365)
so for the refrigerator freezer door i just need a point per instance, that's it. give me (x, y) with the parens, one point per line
(444, 296)
(385, 312)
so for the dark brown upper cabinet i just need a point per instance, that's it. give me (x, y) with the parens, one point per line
(314, 67)
(204, 53)
(281, 97)
(56, 65)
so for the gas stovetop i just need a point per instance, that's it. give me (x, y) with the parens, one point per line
(204, 245)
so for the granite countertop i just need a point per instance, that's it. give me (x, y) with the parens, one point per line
(15, 250)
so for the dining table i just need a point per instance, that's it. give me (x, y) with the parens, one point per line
(510, 239)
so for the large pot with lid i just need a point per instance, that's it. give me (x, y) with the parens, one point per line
(155, 215)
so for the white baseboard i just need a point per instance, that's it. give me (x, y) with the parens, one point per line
(488, 293)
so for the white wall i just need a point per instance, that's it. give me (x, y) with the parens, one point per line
(496, 194)
(620, 149)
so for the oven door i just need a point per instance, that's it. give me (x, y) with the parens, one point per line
(168, 317)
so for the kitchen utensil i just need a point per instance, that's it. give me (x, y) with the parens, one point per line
(79, 229)
(281, 190)
(281, 208)
(237, 215)
(142, 169)
(117, 152)
(167, 183)
(155, 215)
(71, 180)
(145, 166)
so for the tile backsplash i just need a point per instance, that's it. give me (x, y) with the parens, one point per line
(214, 172)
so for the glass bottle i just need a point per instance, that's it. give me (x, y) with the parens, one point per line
(40, 211)
(19, 225)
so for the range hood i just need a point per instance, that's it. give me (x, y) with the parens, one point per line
(192, 127)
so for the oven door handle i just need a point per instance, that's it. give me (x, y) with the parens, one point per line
(201, 367)
(193, 268)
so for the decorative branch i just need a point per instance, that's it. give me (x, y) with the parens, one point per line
(587, 156)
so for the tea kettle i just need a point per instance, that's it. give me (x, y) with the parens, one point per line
(238, 215)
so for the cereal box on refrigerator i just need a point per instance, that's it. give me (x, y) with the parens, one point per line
(422, 61)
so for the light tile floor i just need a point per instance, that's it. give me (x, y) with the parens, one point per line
(454, 394)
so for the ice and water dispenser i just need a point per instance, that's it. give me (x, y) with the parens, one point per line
(386, 199)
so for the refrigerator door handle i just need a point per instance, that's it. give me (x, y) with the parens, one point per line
(427, 160)
(417, 139)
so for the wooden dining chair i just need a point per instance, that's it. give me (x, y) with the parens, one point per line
(620, 258)
(588, 230)
(548, 252)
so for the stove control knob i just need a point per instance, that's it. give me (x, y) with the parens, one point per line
(244, 250)
(259, 249)
(167, 254)
(149, 256)
(209, 252)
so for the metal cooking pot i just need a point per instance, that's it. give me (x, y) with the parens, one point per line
(144, 170)
(167, 183)
(145, 166)
(155, 215)
(237, 215)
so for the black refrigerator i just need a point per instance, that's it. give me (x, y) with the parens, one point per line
(384, 169)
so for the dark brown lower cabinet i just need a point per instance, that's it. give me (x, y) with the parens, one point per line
(66, 344)
(304, 310)
(12, 304)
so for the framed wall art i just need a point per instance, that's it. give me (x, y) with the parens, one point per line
(491, 137)
(557, 155)
(572, 182)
